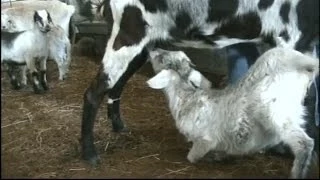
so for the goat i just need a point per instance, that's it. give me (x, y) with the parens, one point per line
(241, 56)
(23, 14)
(24, 47)
(246, 117)
(59, 49)
(135, 25)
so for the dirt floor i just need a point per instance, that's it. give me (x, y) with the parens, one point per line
(40, 135)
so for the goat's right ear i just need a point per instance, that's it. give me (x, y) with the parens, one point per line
(160, 80)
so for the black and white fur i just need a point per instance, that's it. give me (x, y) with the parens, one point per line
(137, 24)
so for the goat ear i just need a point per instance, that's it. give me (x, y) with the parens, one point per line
(49, 16)
(195, 77)
(160, 80)
(36, 16)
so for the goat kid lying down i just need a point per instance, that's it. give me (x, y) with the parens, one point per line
(246, 117)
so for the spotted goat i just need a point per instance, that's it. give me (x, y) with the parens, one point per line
(137, 25)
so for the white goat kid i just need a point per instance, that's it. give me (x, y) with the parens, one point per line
(22, 12)
(59, 50)
(249, 116)
(27, 46)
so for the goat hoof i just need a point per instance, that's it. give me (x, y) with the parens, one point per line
(45, 88)
(191, 159)
(118, 126)
(16, 86)
(38, 90)
(92, 159)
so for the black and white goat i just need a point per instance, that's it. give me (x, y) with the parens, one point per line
(43, 41)
(137, 24)
(246, 117)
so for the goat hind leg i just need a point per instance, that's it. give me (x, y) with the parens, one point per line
(43, 74)
(302, 146)
(12, 73)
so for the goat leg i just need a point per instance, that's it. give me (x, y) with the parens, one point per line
(12, 70)
(302, 146)
(116, 90)
(92, 100)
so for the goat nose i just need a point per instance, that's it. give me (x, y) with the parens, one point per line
(47, 28)
(3, 27)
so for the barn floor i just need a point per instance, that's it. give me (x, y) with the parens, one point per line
(40, 135)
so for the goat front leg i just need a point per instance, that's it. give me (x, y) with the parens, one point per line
(199, 149)
(116, 91)
(92, 100)
(302, 146)
(111, 78)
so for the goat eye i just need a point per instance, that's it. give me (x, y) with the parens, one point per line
(9, 21)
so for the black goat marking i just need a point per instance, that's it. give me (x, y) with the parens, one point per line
(49, 17)
(10, 62)
(284, 12)
(154, 6)
(247, 26)
(284, 34)
(308, 23)
(37, 18)
(9, 38)
(221, 9)
(132, 28)
(265, 4)
(193, 33)
(268, 38)
(183, 21)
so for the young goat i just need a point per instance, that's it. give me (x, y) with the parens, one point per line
(43, 41)
(246, 117)
(24, 47)
(22, 12)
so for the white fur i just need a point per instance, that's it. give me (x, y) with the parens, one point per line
(262, 110)
(23, 13)
(33, 43)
